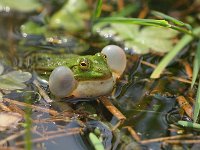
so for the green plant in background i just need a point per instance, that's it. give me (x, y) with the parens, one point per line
(167, 22)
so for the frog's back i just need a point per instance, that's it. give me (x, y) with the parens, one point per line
(48, 62)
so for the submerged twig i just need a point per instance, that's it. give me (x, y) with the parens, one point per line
(182, 141)
(165, 138)
(133, 133)
(12, 137)
(113, 111)
(49, 137)
(50, 111)
(42, 92)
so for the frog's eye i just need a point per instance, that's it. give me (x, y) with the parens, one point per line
(104, 56)
(61, 81)
(84, 64)
(116, 58)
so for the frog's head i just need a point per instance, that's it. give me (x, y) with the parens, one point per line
(91, 67)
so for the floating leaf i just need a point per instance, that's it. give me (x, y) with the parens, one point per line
(9, 120)
(141, 40)
(71, 16)
(21, 5)
(14, 80)
(32, 28)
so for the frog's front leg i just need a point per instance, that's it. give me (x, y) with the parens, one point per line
(62, 81)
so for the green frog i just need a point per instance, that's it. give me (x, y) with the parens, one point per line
(81, 76)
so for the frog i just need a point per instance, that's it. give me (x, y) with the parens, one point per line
(81, 76)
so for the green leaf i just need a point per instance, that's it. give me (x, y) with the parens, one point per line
(95, 142)
(141, 41)
(14, 80)
(196, 65)
(21, 5)
(197, 104)
(32, 28)
(72, 16)
(168, 58)
(97, 11)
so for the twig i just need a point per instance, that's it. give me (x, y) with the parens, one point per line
(188, 69)
(113, 110)
(174, 78)
(4, 107)
(10, 148)
(165, 138)
(133, 133)
(38, 108)
(11, 137)
(181, 80)
(42, 92)
(48, 137)
(76, 129)
(120, 4)
(16, 109)
(185, 105)
(182, 141)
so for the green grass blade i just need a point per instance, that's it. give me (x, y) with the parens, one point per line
(127, 10)
(189, 124)
(150, 22)
(167, 59)
(173, 20)
(97, 11)
(197, 104)
(196, 65)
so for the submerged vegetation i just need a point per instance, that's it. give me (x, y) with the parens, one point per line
(154, 105)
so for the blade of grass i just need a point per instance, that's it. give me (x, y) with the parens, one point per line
(150, 22)
(197, 104)
(97, 11)
(147, 22)
(173, 20)
(178, 47)
(196, 64)
(189, 124)
(127, 10)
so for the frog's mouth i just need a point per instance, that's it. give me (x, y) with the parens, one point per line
(94, 88)
(92, 75)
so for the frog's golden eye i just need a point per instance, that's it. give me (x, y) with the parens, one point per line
(104, 56)
(84, 64)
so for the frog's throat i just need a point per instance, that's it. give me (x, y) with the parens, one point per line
(94, 88)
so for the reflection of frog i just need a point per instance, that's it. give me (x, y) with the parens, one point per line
(82, 76)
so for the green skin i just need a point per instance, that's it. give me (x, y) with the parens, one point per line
(96, 65)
